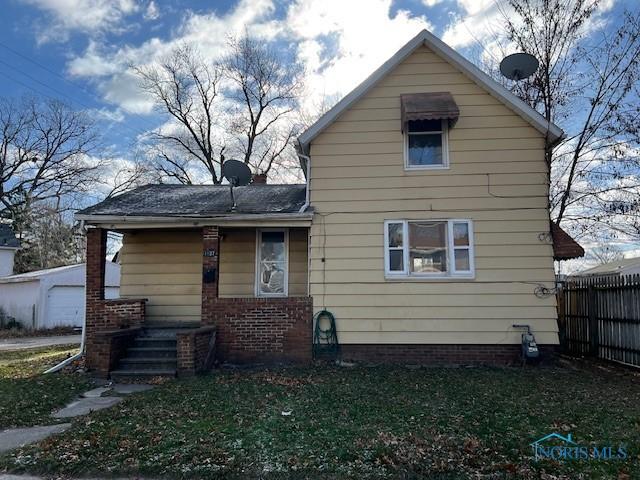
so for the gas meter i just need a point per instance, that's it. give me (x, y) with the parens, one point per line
(530, 351)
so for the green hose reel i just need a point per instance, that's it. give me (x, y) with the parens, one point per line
(325, 336)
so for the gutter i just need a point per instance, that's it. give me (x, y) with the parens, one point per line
(212, 219)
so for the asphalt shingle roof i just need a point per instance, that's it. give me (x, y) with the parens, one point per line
(7, 237)
(201, 201)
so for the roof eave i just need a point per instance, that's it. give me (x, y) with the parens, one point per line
(552, 132)
(221, 219)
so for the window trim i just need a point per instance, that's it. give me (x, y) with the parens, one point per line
(257, 291)
(444, 132)
(451, 272)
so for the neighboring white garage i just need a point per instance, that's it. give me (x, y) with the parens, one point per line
(53, 297)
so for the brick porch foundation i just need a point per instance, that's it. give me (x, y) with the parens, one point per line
(439, 354)
(110, 325)
(262, 330)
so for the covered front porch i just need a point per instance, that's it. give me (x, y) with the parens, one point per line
(223, 293)
(204, 279)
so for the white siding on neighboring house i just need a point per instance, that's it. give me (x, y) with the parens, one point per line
(53, 297)
(6, 261)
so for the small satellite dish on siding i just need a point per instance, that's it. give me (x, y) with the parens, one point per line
(519, 66)
(237, 174)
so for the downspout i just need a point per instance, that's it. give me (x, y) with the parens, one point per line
(304, 208)
(78, 355)
(308, 178)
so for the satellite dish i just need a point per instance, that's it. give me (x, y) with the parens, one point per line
(237, 174)
(518, 66)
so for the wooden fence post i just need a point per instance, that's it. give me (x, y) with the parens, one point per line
(593, 320)
(562, 322)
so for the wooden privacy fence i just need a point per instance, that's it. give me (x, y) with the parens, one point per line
(600, 317)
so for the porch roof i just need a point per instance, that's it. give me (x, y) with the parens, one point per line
(200, 201)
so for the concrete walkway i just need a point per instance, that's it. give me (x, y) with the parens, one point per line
(90, 401)
(19, 437)
(10, 344)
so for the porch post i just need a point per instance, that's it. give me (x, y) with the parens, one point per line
(96, 257)
(210, 272)
(96, 251)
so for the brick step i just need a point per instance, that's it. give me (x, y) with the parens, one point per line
(141, 374)
(160, 363)
(146, 352)
(154, 342)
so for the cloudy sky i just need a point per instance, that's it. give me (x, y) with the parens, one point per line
(80, 50)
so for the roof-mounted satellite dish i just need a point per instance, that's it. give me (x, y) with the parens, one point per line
(518, 66)
(237, 174)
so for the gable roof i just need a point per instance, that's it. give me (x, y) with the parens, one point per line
(537, 121)
(7, 237)
(170, 200)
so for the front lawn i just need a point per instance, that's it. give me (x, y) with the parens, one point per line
(27, 397)
(354, 423)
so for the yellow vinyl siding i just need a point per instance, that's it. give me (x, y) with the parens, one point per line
(497, 178)
(165, 268)
(298, 263)
(238, 262)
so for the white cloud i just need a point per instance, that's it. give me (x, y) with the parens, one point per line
(87, 16)
(359, 35)
(92, 64)
(123, 90)
(208, 32)
(152, 12)
(431, 3)
(477, 23)
(339, 43)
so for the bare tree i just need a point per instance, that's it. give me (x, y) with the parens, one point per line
(185, 87)
(606, 254)
(45, 149)
(48, 239)
(127, 175)
(266, 85)
(588, 83)
(242, 107)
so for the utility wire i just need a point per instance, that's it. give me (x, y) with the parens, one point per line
(70, 82)
(115, 126)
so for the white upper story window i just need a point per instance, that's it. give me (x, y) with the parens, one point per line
(428, 248)
(426, 144)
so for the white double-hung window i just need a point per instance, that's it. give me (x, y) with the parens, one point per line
(426, 145)
(428, 248)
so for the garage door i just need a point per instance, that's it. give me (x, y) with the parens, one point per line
(65, 306)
